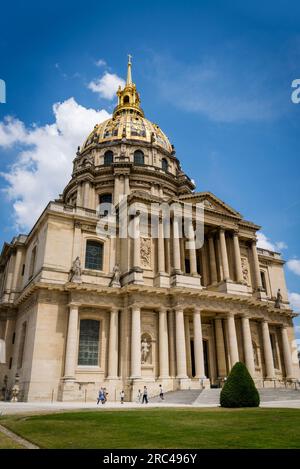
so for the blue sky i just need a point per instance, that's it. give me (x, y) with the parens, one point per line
(215, 75)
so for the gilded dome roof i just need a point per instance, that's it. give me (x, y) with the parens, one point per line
(129, 126)
(128, 121)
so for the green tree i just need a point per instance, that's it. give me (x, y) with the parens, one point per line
(239, 389)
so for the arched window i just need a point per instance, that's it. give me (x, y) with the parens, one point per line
(94, 255)
(165, 165)
(126, 99)
(138, 157)
(108, 158)
(88, 353)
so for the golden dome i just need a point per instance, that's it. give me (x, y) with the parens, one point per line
(128, 122)
(130, 126)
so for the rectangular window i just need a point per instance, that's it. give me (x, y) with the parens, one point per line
(94, 255)
(22, 345)
(10, 363)
(23, 269)
(88, 354)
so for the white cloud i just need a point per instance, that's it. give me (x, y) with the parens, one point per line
(107, 85)
(280, 245)
(294, 265)
(100, 63)
(294, 299)
(43, 165)
(264, 242)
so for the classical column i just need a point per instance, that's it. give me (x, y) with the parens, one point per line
(113, 357)
(163, 344)
(79, 195)
(224, 254)
(188, 346)
(136, 241)
(116, 189)
(71, 347)
(86, 194)
(92, 197)
(135, 342)
(161, 247)
(126, 185)
(248, 347)
(287, 355)
(171, 330)
(16, 271)
(268, 354)
(220, 348)
(237, 257)
(257, 276)
(180, 344)
(10, 273)
(192, 250)
(212, 259)
(113, 253)
(198, 345)
(176, 247)
(233, 346)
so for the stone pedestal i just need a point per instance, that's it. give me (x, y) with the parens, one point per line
(187, 281)
(162, 280)
(134, 276)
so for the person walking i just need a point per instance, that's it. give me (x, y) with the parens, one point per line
(145, 395)
(122, 396)
(100, 396)
(161, 392)
(105, 394)
(139, 396)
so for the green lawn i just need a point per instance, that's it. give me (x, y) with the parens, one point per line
(162, 428)
(7, 443)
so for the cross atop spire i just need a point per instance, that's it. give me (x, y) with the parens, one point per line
(129, 78)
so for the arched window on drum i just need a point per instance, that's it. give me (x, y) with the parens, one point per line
(165, 165)
(108, 158)
(138, 157)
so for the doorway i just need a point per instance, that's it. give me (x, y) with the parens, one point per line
(205, 357)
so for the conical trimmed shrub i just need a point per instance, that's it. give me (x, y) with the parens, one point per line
(239, 389)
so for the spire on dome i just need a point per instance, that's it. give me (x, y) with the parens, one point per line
(129, 77)
(128, 97)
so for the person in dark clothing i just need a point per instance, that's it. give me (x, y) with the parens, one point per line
(145, 395)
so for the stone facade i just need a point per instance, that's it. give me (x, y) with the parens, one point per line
(141, 310)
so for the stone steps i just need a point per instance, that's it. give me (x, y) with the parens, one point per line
(212, 396)
(187, 396)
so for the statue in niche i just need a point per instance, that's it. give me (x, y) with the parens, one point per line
(115, 281)
(278, 300)
(146, 252)
(15, 389)
(75, 272)
(245, 271)
(145, 350)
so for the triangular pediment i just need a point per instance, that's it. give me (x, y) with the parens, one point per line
(211, 202)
